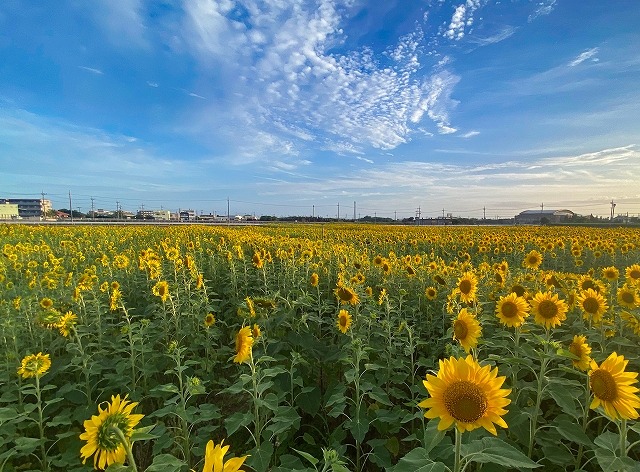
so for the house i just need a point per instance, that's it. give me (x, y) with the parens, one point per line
(30, 207)
(9, 211)
(543, 216)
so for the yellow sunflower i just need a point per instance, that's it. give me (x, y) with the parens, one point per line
(532, 260)
(613, 388)
(214, 457)
(581, 350)
(431, 293)
(209, 320)
(99, 432)
(467, 395)
(314, 280)
(592, 304)
(344, 321)
(511, 310)
(466, 287)
(257, 261)
(610, 273)
(66, 323)
(548, 309)
(244, 343)
(627, 297)
(346, 295)
(466, 330)
(161, 289)
(633, 274)
(255, 331)
(46, 303)
(34, 365)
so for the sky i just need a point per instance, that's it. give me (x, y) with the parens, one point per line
(313, 107)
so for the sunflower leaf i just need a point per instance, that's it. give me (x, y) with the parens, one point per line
(494, 450)
(418, 460)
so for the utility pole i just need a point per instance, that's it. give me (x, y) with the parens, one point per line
(484, 213)
(338, 211)
(93, 213)
(313, 212)
(70, 207)
(418, 215)
(613, 209)
(354, 211)
(542, 207)
(228, 212)
(42, 205)
(117, 209)
(443, 213)
(395, 215)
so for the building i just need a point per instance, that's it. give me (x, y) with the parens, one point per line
(187, 215)
(543, 216)
(163, 215)
(9, 211)
(30, 207)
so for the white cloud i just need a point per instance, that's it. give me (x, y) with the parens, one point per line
(544, 7)
(462, 18)
(470, 134)
(587, 54)
(504, 33)
(291, 78)
(152, 84)
(92, 70)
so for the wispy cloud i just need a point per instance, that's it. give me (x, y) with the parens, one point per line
(152, 84)
(585, 55)
(544, 7)
(504, 33)
(289, 75)
(470, 134)
(92, 70)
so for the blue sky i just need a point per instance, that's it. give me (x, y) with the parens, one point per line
(289, 107)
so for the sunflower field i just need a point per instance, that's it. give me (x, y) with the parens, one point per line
(319, 348)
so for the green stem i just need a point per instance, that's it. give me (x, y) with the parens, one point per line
(43, 450)
(585, 422)
(534, 415)
(623, 438)
(127, 447)
(457, 464)
(256, 408)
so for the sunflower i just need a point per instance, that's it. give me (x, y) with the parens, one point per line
(66, 323)
(532, 260)
(593, 305)
(466, 330)
(627, 297)
(633, 274)
(581, 350)
(344, 321)
(511, 310)
(610, 273)
(255, 331)
(314, 280)
(99, 432)
(431, 293)
(411, 272)
(161, 289)
(209, 320)
(34, 365)
(631, 321)
(613, 388)
(466, 287)
(46, 303)
(549, 310)
(466, 394)
(378, 260)
(244, 342)
(346, 295)
(257, 261)
(214, 456)
(250, 306)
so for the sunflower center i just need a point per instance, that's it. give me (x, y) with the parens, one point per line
(460, 329)
(533, 260)
(547, 309)
(591, 305)
(518, 290)
(603, 385)
(588, 284)
(509, 309)
(465, 286)
(343, 321)
(634, 274)
(465, 401)
(628, 297)
(576, 349)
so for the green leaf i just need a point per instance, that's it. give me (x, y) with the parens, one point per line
(165, 463)
(359, 426)
(494, 450)
(143, 434)
(309, 400)
(119, 468)
(260, 457)
(307, 456)
(564, 397)
(432, 435)
(236, 421)
(572, 432)
(608, 440)
(27, 445)
(611, 463)
(418, 460)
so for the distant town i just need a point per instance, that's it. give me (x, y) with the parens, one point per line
(41, 210)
